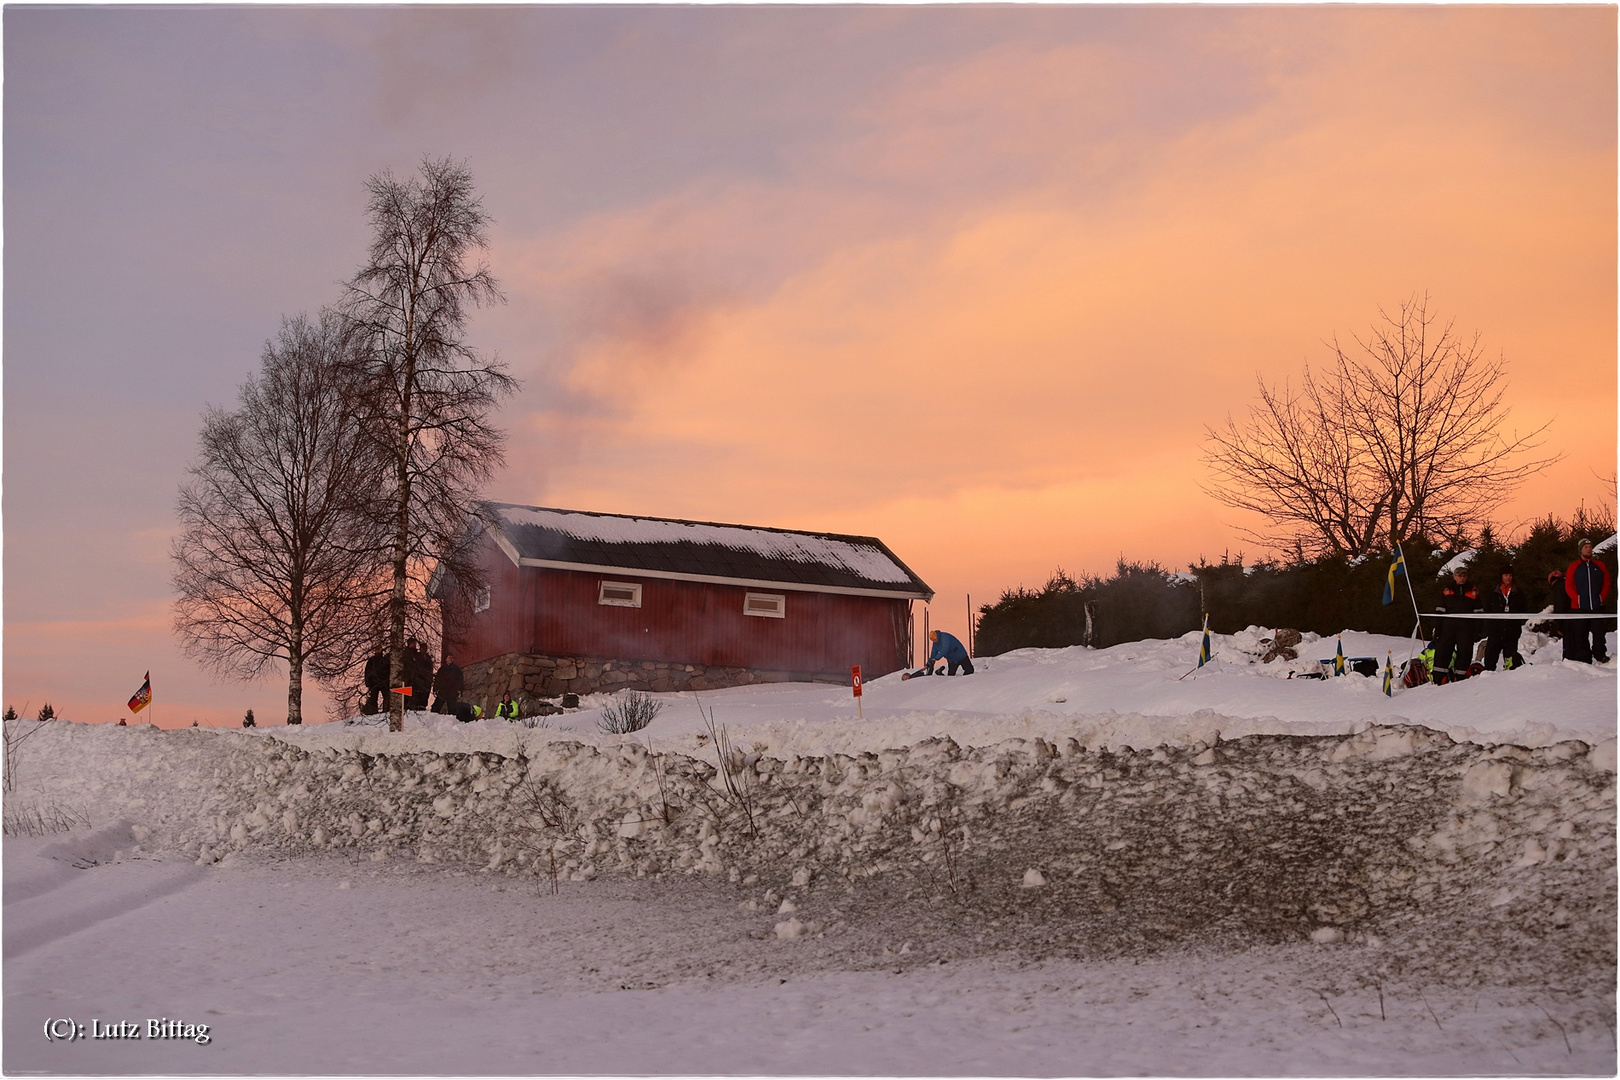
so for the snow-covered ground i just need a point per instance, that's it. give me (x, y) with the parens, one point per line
(323, 966)
(1138, 694)
(1074, 862)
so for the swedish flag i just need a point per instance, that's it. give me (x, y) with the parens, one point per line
(1338, 659)
(1203, 649)
(1396, 569)
(1389, 674)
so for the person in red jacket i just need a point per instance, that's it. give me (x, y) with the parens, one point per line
(1586, 582)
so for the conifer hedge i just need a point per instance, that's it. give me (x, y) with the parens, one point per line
(1325, 595)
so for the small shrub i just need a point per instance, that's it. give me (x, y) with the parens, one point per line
(635, 712)
(11, 714)
(247, 721)
(46, 713)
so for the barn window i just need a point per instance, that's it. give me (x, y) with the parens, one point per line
(766, 605)
(619, 594)
(481, 600)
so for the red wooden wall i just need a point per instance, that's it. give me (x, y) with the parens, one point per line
(556, 613)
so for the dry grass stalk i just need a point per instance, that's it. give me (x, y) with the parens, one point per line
(737, 790)
(36, 821)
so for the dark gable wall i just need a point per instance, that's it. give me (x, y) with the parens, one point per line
(556, 613)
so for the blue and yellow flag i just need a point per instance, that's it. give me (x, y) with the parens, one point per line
(1338, 659)
(1203, 649)
(1389, 674)
(1396, 569)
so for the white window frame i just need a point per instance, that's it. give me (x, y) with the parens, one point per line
(481, 600)
(778, 609)
(604, 600)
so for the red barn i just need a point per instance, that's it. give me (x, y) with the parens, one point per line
(581, 602)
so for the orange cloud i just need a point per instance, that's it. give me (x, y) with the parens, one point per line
(1001, 383)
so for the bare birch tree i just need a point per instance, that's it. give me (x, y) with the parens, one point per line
(433, 394)
(276, 556)
(1403, 434)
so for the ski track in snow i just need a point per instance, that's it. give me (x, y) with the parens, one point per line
(414, 970)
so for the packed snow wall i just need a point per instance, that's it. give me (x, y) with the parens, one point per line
(1394, 831)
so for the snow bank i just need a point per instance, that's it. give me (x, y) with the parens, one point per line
(1264, 838)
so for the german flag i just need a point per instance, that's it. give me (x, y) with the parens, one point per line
(143, 696)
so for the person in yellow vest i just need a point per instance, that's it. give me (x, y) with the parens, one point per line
(507, 709)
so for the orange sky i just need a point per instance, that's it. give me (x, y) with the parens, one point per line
(1024, 381)
(984, 304)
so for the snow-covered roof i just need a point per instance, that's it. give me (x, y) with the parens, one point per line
(1607, 545)
(702, 551)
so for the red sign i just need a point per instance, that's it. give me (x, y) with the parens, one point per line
(855, 679)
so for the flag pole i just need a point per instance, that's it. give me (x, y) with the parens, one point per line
(1417, 631)
(1201, 640)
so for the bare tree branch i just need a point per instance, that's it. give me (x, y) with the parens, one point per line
(1404, 434)
(276, 556)
(431, 394)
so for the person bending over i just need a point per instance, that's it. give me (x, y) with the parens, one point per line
(948, 650)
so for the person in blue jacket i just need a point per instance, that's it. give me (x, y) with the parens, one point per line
(950, 650)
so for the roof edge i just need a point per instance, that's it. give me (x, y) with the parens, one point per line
(691, 521)
(925, 594)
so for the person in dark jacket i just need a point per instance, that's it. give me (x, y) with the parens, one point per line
(447, 685)
(1586, 583)
(1558, 600)
(1454, 640)
(1502, 635)
(376, 683)
(418, 674)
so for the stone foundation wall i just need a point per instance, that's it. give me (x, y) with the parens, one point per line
(553, 676)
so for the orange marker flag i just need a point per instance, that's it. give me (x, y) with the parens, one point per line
(143, 696)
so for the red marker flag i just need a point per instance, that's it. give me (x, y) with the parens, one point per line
(855, 679)
(143, 696)
(401, 690)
